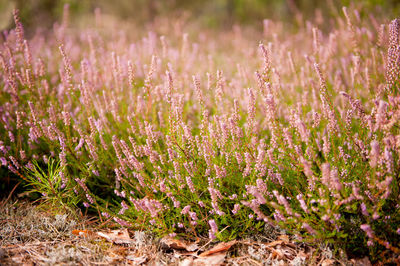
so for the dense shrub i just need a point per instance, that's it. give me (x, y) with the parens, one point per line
(217, 137)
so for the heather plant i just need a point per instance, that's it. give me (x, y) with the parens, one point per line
(50, 185)
(215, 137)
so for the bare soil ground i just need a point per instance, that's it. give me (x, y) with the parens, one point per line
(33, 235)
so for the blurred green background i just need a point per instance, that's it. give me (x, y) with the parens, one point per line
(210, 13)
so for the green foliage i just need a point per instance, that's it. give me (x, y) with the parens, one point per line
(48, 182)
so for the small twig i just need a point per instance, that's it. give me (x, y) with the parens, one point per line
(9, 195)
(206, 244)
(33, 253)
(105, 222)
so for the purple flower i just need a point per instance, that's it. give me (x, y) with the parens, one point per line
(185, 210)
(124, 206)
(326, 173)
(15, 162)
(256, 193)
(364, 209)
(261, 186)
(367, 229)
(3, 161)
(80, 144)
(213, 227)
(12, 169)
(374, 155)
(122, 222)
(236, 208)
(190, 184)
(193, 216)
(211, 235)
(89, 198)
(232, 197)
(309, 229)
(303, 204)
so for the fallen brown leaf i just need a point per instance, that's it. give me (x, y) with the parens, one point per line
(172, 243)
(180, 253)
(327, 262)
(223, 246)
(360, 262)
(18, 259)
(117, 236)
(274, 243)
(284, 238)
(302, 254)
(280, 242)
(277, 254)
(213, 259)
(186, 262)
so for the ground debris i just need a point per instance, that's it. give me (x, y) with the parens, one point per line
(36, 237)
(172, 243)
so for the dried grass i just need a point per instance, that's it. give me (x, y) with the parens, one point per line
(34, 235)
